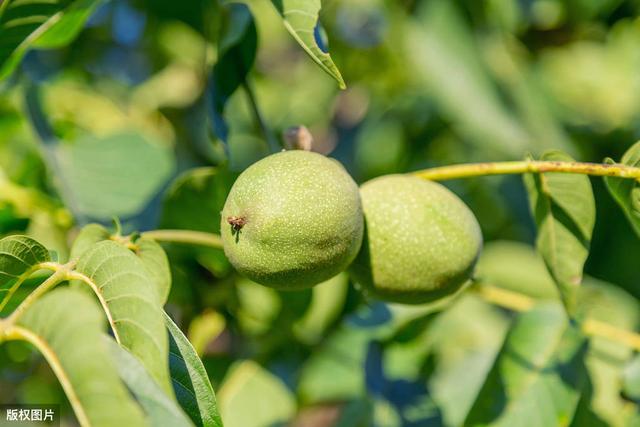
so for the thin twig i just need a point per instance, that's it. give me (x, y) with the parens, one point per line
(53, 280)
(185, 236)
(527, 166)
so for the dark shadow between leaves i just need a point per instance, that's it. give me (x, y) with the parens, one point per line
(408, 397)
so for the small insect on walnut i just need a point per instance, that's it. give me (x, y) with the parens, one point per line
(237, 222)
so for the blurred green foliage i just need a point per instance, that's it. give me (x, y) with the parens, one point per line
(120, 123)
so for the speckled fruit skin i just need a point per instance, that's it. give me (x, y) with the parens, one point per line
(421, 241)
(302, 217)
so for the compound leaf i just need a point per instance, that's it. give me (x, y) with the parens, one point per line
(190, 381)
(67, 327)
(300, 18)
(564, 210)
(130, 299)
(19, 256)
(539, 375)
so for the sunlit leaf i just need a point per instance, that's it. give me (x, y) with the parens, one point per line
(301, 20)
(38, 23)
(516, 266)
(626, 192)
(326, 304)
(563, 208)
(631, 385)
(156, 262)
(148, 251)
(113, 176)
(251, 396)
(132, 304)
(539, 375)
(71, 341)
(190, 381)
(204, 329)
(19, 256)
(88, 236)
(258, 307)
(161, 410)
(607, 360)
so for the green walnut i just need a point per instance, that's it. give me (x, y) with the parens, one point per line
(421, 241)
(292, 220)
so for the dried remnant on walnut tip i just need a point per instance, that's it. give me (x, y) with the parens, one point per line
(237, 222)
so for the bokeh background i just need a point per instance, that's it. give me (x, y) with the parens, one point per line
(117, 124)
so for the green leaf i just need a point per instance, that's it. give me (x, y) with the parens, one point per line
(190, 381)
(156, 263)
(19, 257)
(328, 301)
(463, 342)
(564, 210)
(88, 236)
(69, 25)
(113, 176)
(236, 54)
(631, 379)
(204, 329)
(251, 396)
(161, 410)
(38, 23)
(336, 371)
(445, 56)
(194, 202)
(539, 375)
(301, 20)
(626, 192)
(516, 266)
(67, 328)
(132, 305)
(607, 360)
(196, 198)
(148, 251)
(257, 308)
(356, 413)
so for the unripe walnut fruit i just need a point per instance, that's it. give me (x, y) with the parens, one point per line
(421, 241)
(292, 220)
